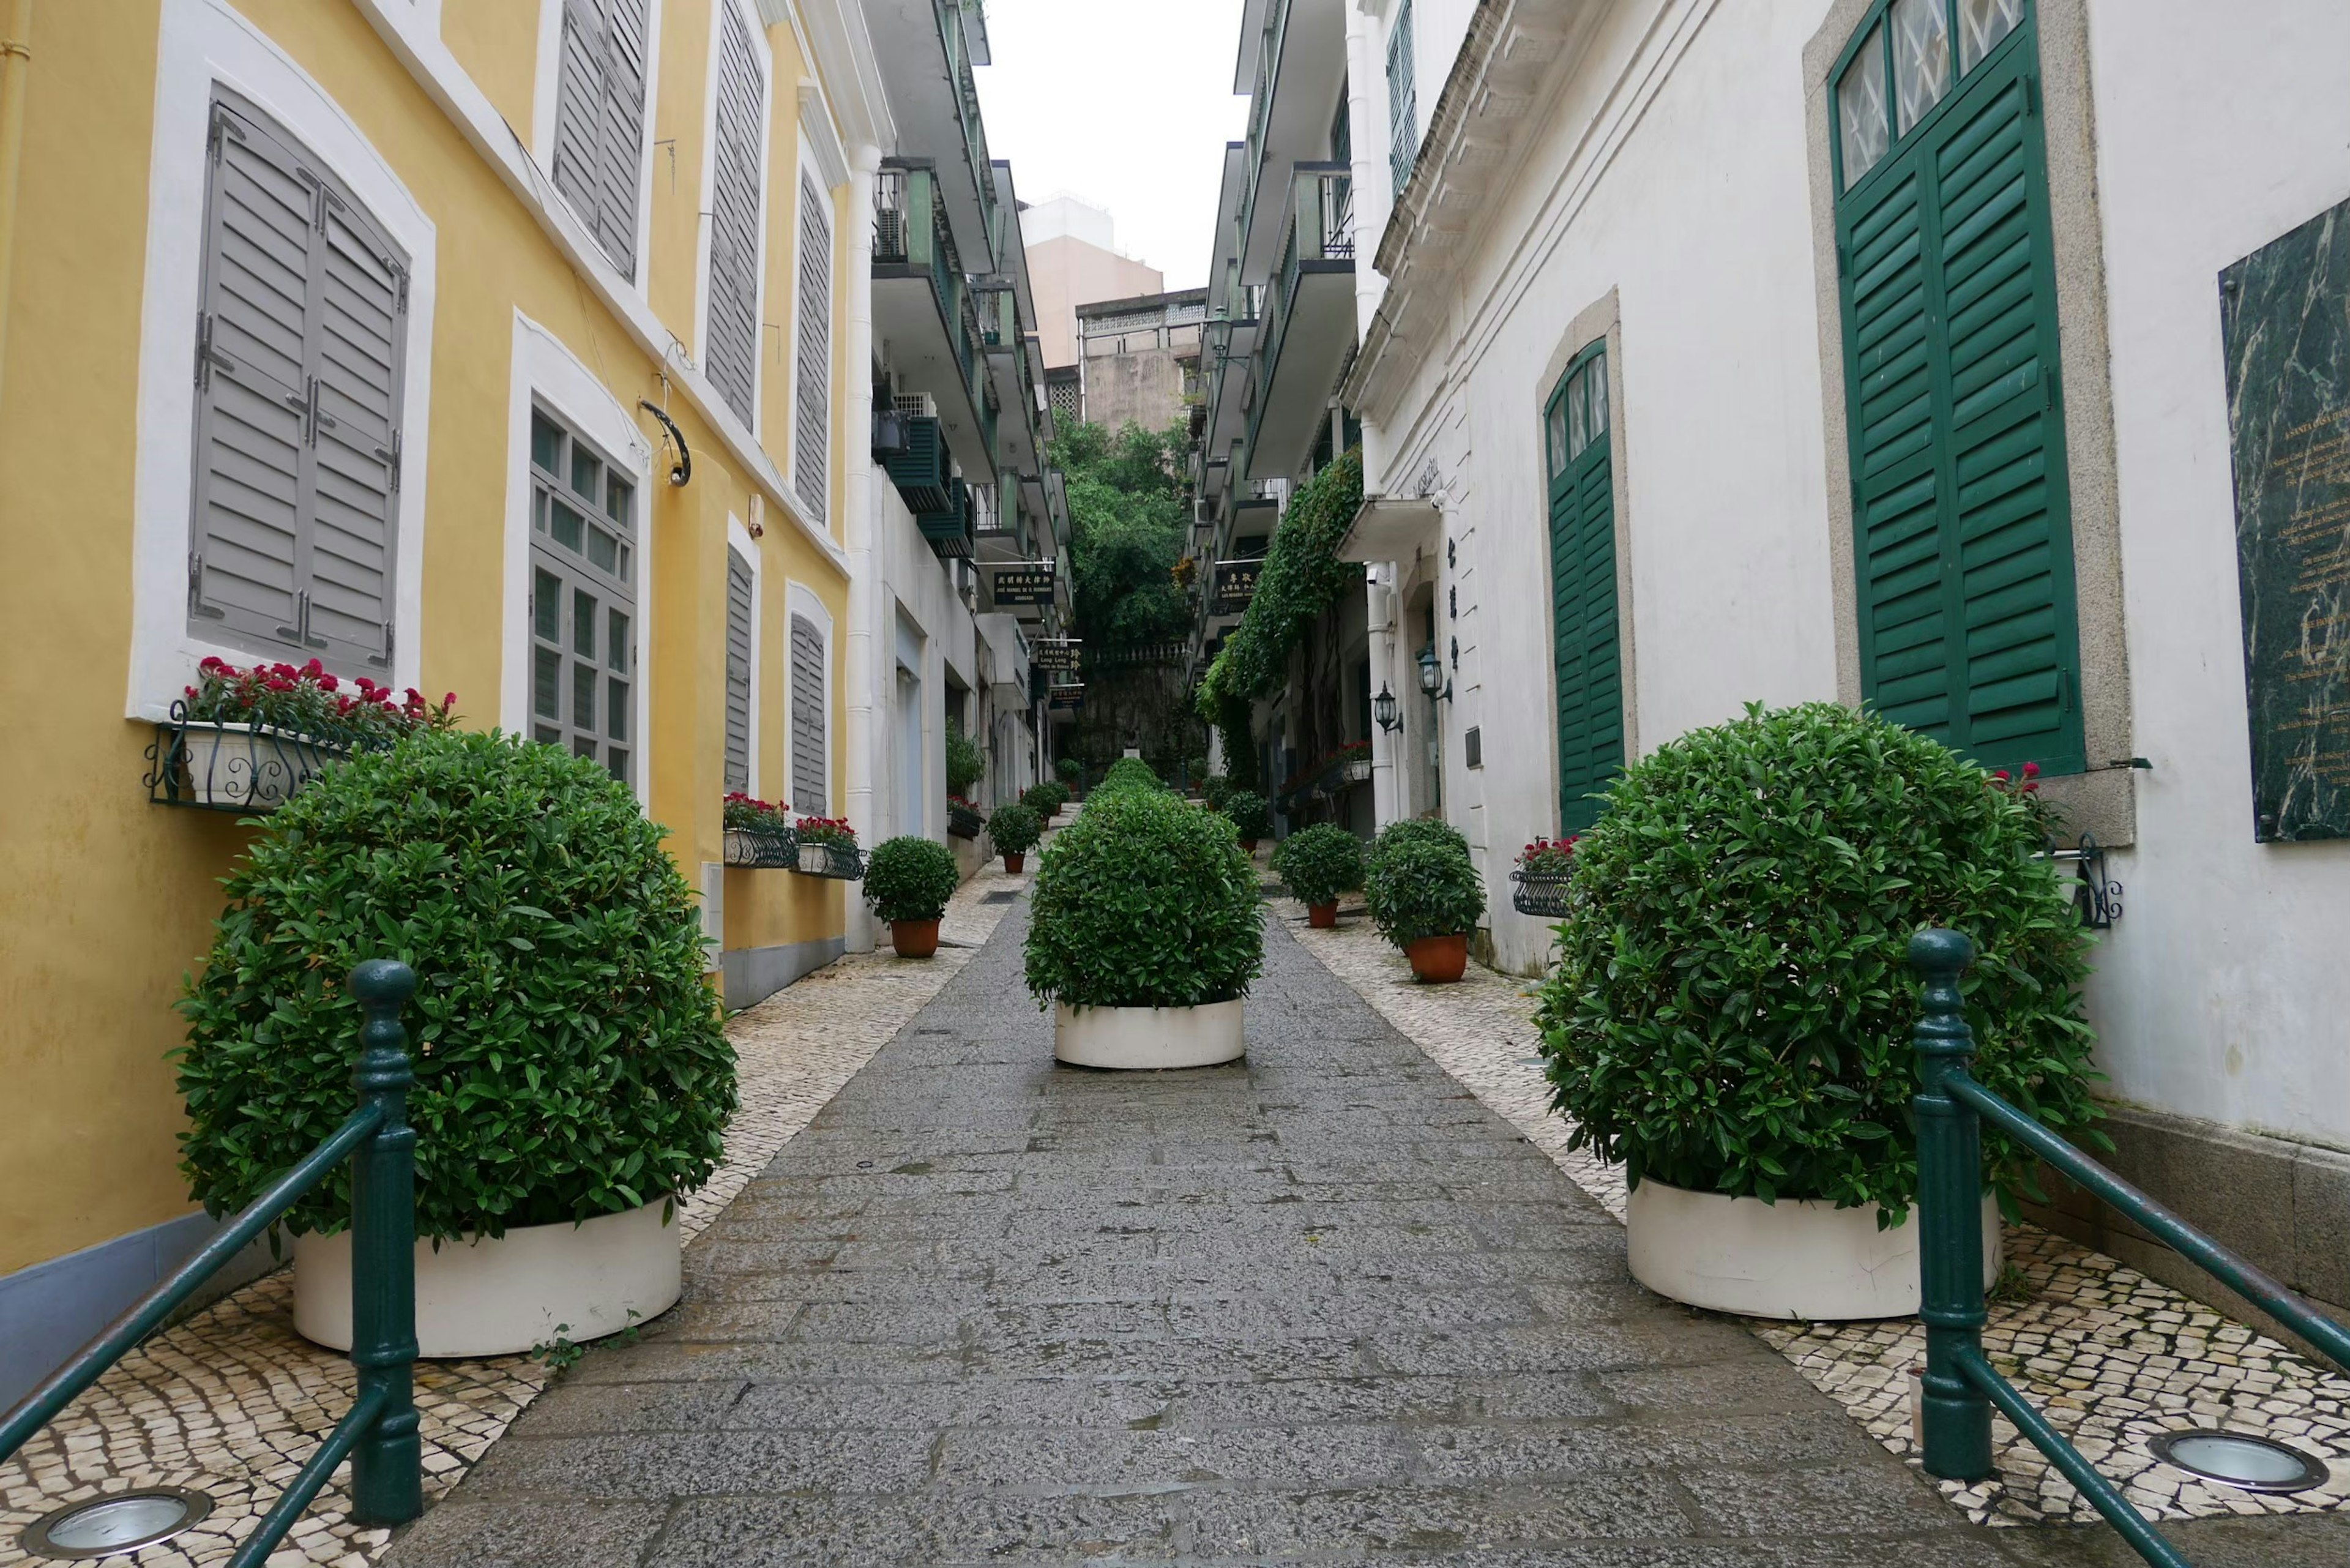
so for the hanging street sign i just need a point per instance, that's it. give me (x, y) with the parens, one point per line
(1235, 584)
(1021, 583)
(1055, 653)
(1066, 699)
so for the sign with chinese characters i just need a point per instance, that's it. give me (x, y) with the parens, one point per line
(1022, 585)
(1066, 698)
(1235, 584)
(2284, 314)
(1055, 653)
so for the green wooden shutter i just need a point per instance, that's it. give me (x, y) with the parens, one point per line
(1584, 622)
(1961, 514)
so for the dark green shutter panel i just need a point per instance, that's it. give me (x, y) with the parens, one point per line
(1584, 616)
(1962, 517)
(807, 718)
(738, 671)
(731, 349)
(1403, 101)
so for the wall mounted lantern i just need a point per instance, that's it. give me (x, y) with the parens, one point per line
(1431, 674)
(1383, 709)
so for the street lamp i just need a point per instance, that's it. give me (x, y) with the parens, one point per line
(1431, 674)
(1383, 709)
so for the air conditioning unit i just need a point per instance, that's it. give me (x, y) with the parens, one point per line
(916, 405)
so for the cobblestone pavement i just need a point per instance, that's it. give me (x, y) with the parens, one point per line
(233, 1401)
(1320, 1306)
(2111, 1355)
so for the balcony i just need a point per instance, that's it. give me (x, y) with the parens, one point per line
(923, 309)
(1300, 62)
(1307, 326)
(949, 529)
(928, 47)
(1001, 530)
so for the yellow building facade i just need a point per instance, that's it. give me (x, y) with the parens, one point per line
(546, 232)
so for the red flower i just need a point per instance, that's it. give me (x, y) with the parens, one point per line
(2001, 774)
(2032, 770)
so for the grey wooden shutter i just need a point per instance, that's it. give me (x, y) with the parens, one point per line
(305, 303)
(812, 402)
(738, 671)
(807, 718)
(599, 121)
(730, 347)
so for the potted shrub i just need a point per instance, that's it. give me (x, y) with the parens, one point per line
(1045, 799)
(247, 739)
(757, 834)
(1146, 933)
(1736, 1031)
(1015, 829)
(1128, 773)
(966, 762)
(571, 1076)
(1318, 865)
(907, 881)
(827, 846)
(1216, 789)
(1250, 818)
(1425, 895)
(1071, 772)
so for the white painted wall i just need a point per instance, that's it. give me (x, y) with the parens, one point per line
(2222, 992)
(916, 586)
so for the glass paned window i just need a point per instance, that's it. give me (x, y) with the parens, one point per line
(1578, 416)
(1554, 435)
(1595, 375)
(1861, 118)
(1982, 25)
(1922, 57)
(583, 599)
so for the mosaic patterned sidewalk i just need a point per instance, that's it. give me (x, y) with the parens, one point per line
(2109, 1355)
(231, 1401)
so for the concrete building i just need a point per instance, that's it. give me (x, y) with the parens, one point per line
(1073, 256)
(1926, 395)
(1138, 359)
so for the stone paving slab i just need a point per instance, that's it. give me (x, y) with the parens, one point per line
(1267, 1313)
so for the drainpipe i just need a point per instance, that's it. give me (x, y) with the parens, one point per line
(864, 567)
(15, 74)
(1366, 124)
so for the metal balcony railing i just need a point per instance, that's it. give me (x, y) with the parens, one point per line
(381, 1435)
(1961, 1384)
(1321, 228)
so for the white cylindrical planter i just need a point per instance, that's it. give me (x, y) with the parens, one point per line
(1801, 1259)
(502, 1296)
(1149, 1037)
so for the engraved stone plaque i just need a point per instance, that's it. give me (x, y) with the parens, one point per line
(2284, 313)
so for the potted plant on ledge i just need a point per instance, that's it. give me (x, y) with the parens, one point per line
(1736, 1032)
(758, 835)
(1425, 895)
(1146, 933)
(1015, 829)
(827, 847)
(571, 1076)
(907, 881)
(1318, 865)
(1542, 870)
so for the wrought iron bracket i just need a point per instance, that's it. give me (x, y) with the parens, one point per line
(2097, 898)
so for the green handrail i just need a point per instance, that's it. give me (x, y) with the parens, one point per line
(382, 1434)
(1961, 1384)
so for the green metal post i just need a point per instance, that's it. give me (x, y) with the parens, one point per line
(388, 1464)
(1957, 1416)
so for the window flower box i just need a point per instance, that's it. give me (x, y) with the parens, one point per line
(1545, 868)
(223, 766)
(964, 820)
(827, 847)
(246, 740)
(759, 836)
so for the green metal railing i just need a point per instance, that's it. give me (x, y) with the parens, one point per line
(382, 1435)
(1961, 1384)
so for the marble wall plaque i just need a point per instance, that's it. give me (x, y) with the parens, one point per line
(2284, 314)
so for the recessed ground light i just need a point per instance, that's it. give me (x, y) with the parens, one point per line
(2236, 1459)
(119, 1521)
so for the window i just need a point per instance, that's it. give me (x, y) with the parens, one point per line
(808, 728)
(1403, 104)
(304, 311)
(730, 351)
(1962, 509)
(582, 598)
(599, 121)
(740, 643)
(812, 403)
(1584, 618)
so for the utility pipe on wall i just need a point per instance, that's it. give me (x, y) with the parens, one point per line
(860, 647)
(16, 77)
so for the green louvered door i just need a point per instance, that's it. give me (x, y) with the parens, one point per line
(1590, 667)
(1963, 548)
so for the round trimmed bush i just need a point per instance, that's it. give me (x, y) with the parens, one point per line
(1319, 863)
(1733, 1012)
(1071, 771)
(910, 879)
(1016, 828)
(1251, 818)
(1128, 773)
(1044, 798)
(1144, 901)
(569, 1057)
(1419, 882)
(1216, 789)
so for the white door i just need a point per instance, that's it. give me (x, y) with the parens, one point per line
(910, 772)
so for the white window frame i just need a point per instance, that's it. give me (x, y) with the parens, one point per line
(813, 176)
(800, 599)
(203, 44)
(547, 84)
(705, 229)
(738, 538)
(546, 372)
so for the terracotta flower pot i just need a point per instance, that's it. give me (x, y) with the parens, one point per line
(1440, 960)
(1322, 917)
(914, 939)
(1014, 863)
(1248, 845)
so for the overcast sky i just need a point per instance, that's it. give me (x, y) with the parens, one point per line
(1127, 103)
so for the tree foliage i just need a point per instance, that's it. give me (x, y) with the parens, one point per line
(1126, 514)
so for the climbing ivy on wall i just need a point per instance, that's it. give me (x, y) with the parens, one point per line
(1301, 577)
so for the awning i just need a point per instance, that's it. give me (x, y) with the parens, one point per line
(1391, 528)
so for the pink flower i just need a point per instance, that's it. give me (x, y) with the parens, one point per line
(2032, 770)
